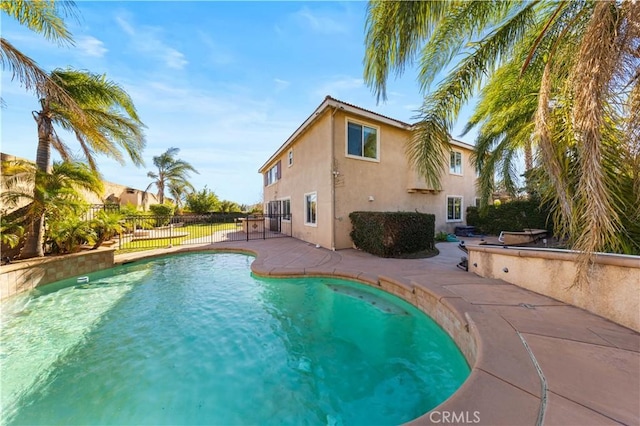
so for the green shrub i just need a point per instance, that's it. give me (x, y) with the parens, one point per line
(202, 202)
(441, 237)
(389, 234)
(510, 216)
(162, 213)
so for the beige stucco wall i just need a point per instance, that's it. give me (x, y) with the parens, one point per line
(310, 172)
(389, 180)
(613, 290)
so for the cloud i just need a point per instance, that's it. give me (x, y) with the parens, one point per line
(216, 53)
(339, 86)
(320, 22)
(281, 84)
(147, 40)
(91, 46)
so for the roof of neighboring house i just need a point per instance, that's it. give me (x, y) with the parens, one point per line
(330, 102)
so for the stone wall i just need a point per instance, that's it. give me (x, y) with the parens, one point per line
(613, 290)
(26, 275)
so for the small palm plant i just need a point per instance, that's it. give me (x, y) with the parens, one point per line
(106, 225)
(67, 235)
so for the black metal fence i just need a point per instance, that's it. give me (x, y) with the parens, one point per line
(94, 209)
(143, 232)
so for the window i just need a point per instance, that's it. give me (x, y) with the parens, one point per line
(310, 208)
(362, 141)
(290, 158)
(286, 209)
(477, 202)
(454, 209)
(272, 175)
(455, 165)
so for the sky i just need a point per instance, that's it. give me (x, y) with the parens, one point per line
(225, 82)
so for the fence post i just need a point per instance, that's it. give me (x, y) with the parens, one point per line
(246, 218)
(264, 226)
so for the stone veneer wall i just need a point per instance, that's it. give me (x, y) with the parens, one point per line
(613, 291)
(26, 275)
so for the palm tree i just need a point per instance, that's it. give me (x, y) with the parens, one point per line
(579, 60)
(172, 172)
(107, 124)
(44, 17)
(179, 192)
(58, 191)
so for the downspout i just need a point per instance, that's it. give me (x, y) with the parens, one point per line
(333, 180)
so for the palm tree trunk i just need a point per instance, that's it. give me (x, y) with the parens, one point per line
(35, 237)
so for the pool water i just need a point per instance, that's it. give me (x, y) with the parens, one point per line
(197, 339)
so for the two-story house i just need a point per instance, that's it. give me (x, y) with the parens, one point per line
(344, 158)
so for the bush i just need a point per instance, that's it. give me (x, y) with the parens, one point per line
(389, 234)
(441, 237)
(202, 202)
(163, 213)
(510, 216)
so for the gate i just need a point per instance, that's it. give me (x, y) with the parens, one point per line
(143, 232)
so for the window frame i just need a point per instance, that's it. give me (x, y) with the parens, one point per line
(363, 125)
(306, 209)
(452, 168)
(454, 197)
(286, 217)
(290, 158)
(273, 174)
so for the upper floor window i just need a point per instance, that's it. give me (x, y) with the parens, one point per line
(362, 141)
(455, 165)
(290, 158)
(272, 175)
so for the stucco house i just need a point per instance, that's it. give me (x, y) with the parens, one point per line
(344, 158)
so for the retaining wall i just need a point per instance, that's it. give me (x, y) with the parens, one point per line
(613, 290)
(26, 275)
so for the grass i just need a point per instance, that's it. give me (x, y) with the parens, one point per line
(195, 231)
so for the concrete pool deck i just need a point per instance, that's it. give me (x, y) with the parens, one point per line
(535, 360)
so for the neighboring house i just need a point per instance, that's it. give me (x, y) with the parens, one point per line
(113, 192)
(344, 158)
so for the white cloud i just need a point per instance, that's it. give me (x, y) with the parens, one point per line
(339, 86)
(147, 40)
(281, 84)
(91, 46)
(320, 22)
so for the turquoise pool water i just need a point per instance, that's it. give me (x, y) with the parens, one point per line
(196, 339)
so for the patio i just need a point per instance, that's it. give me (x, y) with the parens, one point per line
(534, 359)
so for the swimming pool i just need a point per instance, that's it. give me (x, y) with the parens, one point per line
(197, 339)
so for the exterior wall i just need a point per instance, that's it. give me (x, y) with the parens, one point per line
(613, 291)
(388, 181)
(310, 172)
(24, 276)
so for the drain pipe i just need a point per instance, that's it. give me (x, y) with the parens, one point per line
(333, 180)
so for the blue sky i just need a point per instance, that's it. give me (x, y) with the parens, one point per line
(226, 82)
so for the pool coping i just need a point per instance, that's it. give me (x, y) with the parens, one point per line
(533, 359)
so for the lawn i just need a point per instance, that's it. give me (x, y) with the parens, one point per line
(194, 231)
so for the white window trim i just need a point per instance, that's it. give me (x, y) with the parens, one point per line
(285, 199)
(476, 201)
(446, 209)
(461, 163)
(346, 140)
(290, 158)
(315, 225)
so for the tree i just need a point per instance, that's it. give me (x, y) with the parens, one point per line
(106, 225)
(229, 207)
(58, 192)
(201, 202)
(172, 173)
(108, 124)
(579, 61)
(44, 17)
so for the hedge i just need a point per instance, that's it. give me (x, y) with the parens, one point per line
(389, 234)
(510, 216)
